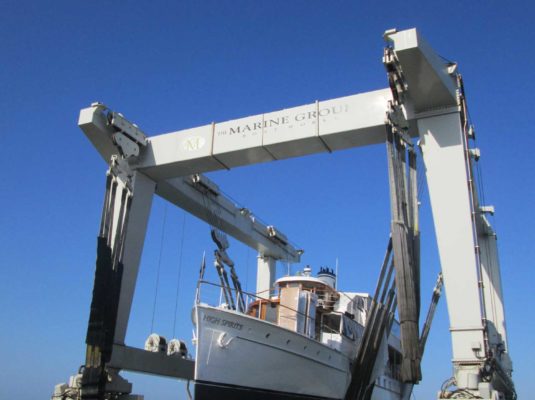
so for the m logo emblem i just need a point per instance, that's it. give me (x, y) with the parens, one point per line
(193, 143)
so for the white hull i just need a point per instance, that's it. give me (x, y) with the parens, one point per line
(258, 359)
(242, 351)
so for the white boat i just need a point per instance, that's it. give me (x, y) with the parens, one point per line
(297, 343)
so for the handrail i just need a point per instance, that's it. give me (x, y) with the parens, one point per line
(251, 295)
(323, 327)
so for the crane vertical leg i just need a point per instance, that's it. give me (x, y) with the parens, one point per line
(120, 243)
(265, 276)
(444, 154)
(143, 188)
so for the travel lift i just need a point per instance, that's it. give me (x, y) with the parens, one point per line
(425, 100)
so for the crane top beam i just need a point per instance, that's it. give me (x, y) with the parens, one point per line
(320, 126)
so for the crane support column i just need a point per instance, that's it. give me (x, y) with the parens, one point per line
(143, 188)
(436, 108)
(441, 139)
(120, 243)
(265, 276)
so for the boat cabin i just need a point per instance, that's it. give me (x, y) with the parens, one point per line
(311, 306)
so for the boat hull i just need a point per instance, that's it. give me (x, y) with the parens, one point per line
(242, 357)
(211, 391)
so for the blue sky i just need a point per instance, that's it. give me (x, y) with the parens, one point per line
(173, 65)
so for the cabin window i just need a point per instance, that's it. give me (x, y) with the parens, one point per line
(394, 363)
(331, 323)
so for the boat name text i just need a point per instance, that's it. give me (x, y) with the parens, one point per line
(223, 322)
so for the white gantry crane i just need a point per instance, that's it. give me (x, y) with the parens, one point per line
(425, 99)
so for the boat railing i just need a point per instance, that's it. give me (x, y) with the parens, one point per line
(213, 294)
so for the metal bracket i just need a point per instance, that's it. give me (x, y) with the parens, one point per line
(127, 147)
(396, 78)
(120, 168)
(475, 153)
(128, 137)
(274, 234)
(395, 118)
(119, 122)
(204, 185)
(398, 85)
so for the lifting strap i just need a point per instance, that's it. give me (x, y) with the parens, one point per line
(404, 228)
(435, 297)
(107, 284)
(402, 256)
(405, 243)
(379, 319)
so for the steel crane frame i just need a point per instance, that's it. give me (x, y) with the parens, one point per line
(434, 109)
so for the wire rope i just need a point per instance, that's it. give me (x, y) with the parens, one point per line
(181, 251)
(158, 270)
(422, 182)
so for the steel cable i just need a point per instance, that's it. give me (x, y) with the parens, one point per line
(158, 270)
